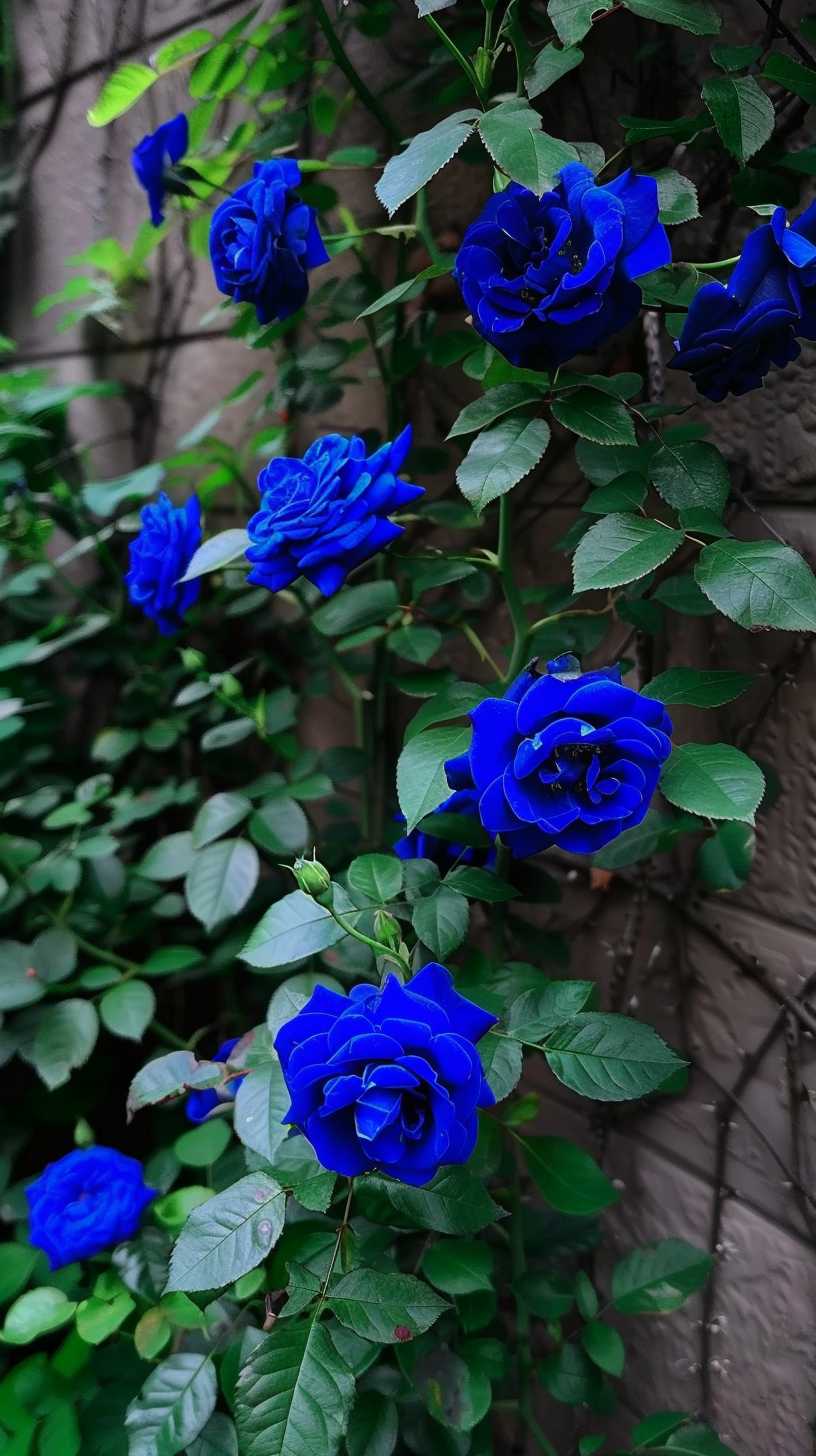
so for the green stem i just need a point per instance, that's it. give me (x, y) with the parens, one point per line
(460, 59)
(710, 267)
(476, 642)
(523, 1352)
(163, 1033)
(324, 1288)
(375, 945)
(395, 230)
(357, 83)
(512, 595)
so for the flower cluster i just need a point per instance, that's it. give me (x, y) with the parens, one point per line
(549, 277)
(388, 1079)
(327, 513)
(85, 1202)
(734, 332)
(566, 758)
(159, 556)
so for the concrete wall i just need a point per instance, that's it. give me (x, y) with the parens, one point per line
(728, 1165)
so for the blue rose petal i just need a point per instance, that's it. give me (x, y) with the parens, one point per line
(159, 556)
(86, 1202)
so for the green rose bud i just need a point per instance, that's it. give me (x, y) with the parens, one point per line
(314, 879)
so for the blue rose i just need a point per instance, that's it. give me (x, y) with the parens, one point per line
(200, 1104)
(734, 332)
(263, 240)
(387, 1079)
(159, 555)
(566, 758)
(152, 157)
(421, 844)
(327, 513)
(85, 1202)
(547, 278)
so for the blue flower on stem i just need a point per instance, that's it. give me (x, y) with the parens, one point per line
(86, 1202)
(159, 556)
(153, 155)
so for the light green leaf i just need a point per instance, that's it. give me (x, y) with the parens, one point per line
(743, 114)
(691, 475)
(492, 405)
(566, 1176)
(36, 1313)
(595, 415)
(229, 1234)
(169, 858)
(441, 920)
(202, 1146)
(421, 782)
(376, 877)
(404, 175)
(219, 551)
(221, 880)
(609, 1057)
(169, 1076)
(120, 91)
(500, 457)
(261, 1103)
(713, 780)
(759, 584)
(549, 66)
(386, 1308)
(294, 1394)
(512, 134)
(659, 1277)
(105, 497)
(280, 826)
(127, 1010)
(54, 954)
(291, 930)
(180, 49)
(217, 816)
(622, 548)
(96, 1319)
(174, 1404)
(706, 688)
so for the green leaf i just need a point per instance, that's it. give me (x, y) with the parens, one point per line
(219, 551)
(566, 1176)
(54, 954)
(501, 1059)
(622, 548)
(572, 19)
(792, 75)
(539, 1012)
(694, 15)
(377, 877)
(549, 66)
(569, 1376)
(604, 1347)
(120, 92)
(261, 1103)
(16, 1267)
(404, 175)
(724, 860)
(229, 1234)
(705, 688)
(172, 958)
(127, 1010)
(456, 1393)
(96, 1319)
(221, 880)
(759, 584)
(18, 987)
(356, 607)
(169, 858)
(454, 701)
(291, 930)
(480, 884)
(454, 1202)
(386, 1308)
(609, 1057)
(743, 114)
(421, 782)
(596, 416)
(654, 1428)
(174, 1404)
(459, 1266)
(492, 405)
(512, 134)
(545, 1293)
(294, 1394)
(713, 780)
(202, 1146)
(500, 457)
(676, 197)
(682, 594)
(217, 1438)
(106, 496)
(735, 58)
(410, 289)
(36, 1313)
(415, 644)
(691, 475)
(374, 1425)
(441, 920)
(659, 1277)
(217, 816)
(65, 1038)
(280, 826)
(179, 49)
(692, 1439)
(169, 1076)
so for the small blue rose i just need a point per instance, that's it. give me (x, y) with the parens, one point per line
(422, 844)
(549, 277)
(264, 240)
(201, 1104)
(734, 332)
(86, 1202)
(566, 758)
(327, 513)
(159, 555)
(387, 1079)
(153, 155)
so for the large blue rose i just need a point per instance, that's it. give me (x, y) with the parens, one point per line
(566, 758)
(734, 332)
(387, 1079)
(85, 1202)
(159, 555)
(263, 240)
(422, 844)
(327, 513)
(199, 1105)
(151, 158)
(547, 278)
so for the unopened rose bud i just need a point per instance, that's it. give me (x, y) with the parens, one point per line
(192, 660)
(387, 930)
(314, 879)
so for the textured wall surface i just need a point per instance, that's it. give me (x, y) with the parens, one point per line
(729, 1164)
